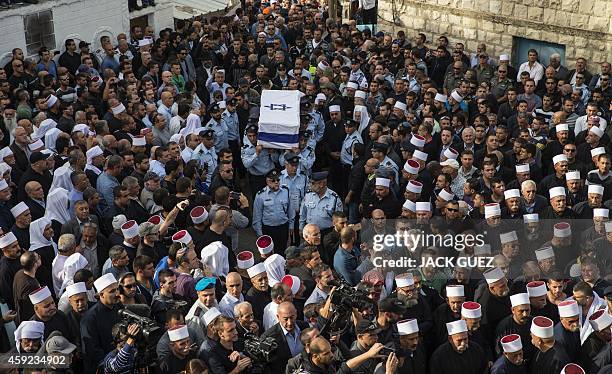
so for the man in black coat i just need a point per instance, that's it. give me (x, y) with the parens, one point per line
(286, 333)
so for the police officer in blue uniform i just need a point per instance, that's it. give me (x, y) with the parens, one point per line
(273, 212)
(230, 120)
(205, 152)
(346, 153)
(257, 160)
(218, 126)
(305, 153)
(292, 178)
(319, 204)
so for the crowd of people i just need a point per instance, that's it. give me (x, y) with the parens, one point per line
(132, 181)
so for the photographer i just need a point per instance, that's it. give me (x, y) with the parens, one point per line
(224, 357)
(367, 335)
(121, 359)
(321, 359)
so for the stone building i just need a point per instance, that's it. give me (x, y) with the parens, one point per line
(583, 27)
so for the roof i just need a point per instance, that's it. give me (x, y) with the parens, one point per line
(184, 9)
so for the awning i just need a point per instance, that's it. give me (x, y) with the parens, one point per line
(184, 9)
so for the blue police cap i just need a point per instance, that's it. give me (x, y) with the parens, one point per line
(205, 283)
(319, 175)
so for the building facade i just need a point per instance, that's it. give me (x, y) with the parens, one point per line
(580, 28)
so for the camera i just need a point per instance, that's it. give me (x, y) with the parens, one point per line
(386, 351)
(149, 330)
(234, 195)
(345, 296)
(260, 351)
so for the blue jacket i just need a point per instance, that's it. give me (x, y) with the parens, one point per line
(346, 264)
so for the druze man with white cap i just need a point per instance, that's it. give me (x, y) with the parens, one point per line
(449, 311)
(558, 178)
(540, 306)
(567, 331)
(458, 355)
(494, 300)
(9, 266)
(518, 322)
(259, 294)
(45, 311)
(511, 360)
(550, 357)
(98, 322)
(181, 351)
(597, 344)
(414, 360)
(558, 208)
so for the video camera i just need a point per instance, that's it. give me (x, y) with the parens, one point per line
(149, 332)
(260, 351)
(345, 296)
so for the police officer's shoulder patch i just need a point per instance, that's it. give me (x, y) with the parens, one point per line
(197, 312)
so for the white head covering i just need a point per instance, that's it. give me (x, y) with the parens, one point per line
(214, 256)
(192, 123)
(104, 281)
(29, 330)
(45, 126)
(19, 209)
(511, 343)
(57, 206)
(51, 138)
(365, 117)
(74, 263)
(275, 267)
(5, 152)
(37, 240)
(407, 326)
(76, 288)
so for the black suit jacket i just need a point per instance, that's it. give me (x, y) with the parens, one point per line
(36, 209)
(283, 353)
(73, 227)
(21, 159)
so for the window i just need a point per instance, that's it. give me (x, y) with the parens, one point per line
(39, 31)
(545, 49)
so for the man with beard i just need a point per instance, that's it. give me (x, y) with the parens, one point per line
(258, 295)
(390, 311)
(517, 323)
(471, 313)
(79, 305)
(9, 266)
(546, 260)
(323, 277)
(448, 312)
(550, 357)
(556, 179)
(561, 243)
(98, 321)
(411, 353)
(416, 307)
(29, 337)
(539, 305)
(558, 208)
(589, 303)
(511, 361)
(458, 355)
(567, 331)
(494, 300)
(45, 311)
(597, 342)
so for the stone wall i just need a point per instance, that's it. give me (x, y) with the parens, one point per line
(583, 26)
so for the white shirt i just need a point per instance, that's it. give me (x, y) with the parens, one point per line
(269, 316)
(227, 303)
(57, 272)
(536, 72)
(581, 124)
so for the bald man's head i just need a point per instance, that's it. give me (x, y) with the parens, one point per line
(312, 234)
(233, 283)
(34, 190)
(287, 315)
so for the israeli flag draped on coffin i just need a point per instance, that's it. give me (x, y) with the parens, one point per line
(279, 119)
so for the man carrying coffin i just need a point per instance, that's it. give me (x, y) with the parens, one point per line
(458, 355)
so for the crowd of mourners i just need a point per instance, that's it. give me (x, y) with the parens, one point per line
(144, 229)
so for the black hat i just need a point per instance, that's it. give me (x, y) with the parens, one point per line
(391, 305)
(207, 133)
(273, 174)
(607, 291)
(305, 134)
(281, 66)
(292, 253)
(243, 82)
(407, 146)
(37, 156)
(319, 176)
(351, 123)
(231, 101)
(214, 107)
(292, 158)
(382, 147)
(252, 128)
(366, 327)
(83, 44)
